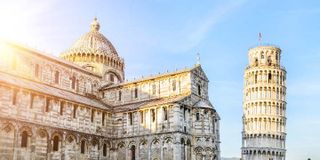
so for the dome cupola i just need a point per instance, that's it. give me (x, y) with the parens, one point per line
(94, 26)
(93, 51)
(93, 42)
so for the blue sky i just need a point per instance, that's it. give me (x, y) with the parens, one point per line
(158, 35)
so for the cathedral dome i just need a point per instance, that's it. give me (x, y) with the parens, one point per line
(93, 42)
(95, 53)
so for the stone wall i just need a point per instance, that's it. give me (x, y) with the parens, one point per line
(164, 117)
(148, 89)
(33, 107)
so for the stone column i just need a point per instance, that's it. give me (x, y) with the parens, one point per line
(176, 117)
(149, 148)
(177, 150)
(161, 150)
(193, 153)
(137, 150)
(160, 118)
(16, 143)
(186, 121)
(127, 155)
(147, 120)
(33, 145)
(63, 146)
(156, 119)
(138, 122)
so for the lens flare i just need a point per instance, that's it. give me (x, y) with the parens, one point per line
(6, 54)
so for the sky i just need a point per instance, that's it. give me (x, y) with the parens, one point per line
(159, 35)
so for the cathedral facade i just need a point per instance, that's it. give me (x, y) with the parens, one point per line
(264, 105)
(79, 106)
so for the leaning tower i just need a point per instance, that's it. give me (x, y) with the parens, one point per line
(264, 105)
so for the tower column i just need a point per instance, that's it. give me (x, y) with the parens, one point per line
(264, 105)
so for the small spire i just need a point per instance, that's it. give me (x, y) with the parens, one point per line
(94, 26)
(260, 38)
(198, 59)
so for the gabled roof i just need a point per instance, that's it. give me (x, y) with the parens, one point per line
(151, 102)
(199, 69)
(50, 57)
(155, 77)
(203, 104)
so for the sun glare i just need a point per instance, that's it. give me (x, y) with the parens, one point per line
(18, 20)
(6, 53)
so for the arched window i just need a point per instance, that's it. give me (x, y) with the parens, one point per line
(14, 97)
(36, 70)
(141, 117)
(61, 107)
(56, 77)
(103, 118)
(104, 150)
(31, 100)
(199, 89)
(182, 141)
(165, 113)
(153, 115)
(213, 125)
(24, 139)
(130, 118)
(269, 77)
(92, 115)
(119, 95)
(94, 143)
(83, 147)
(73, 82)
(74, 114)
(133, 152)
(197, 116)
(111, 78)
(47, 104)
(154, 89)
(269, 61)
(255, 78)
(174, 85)
(136, 93)
(55, 146)
(262, 55)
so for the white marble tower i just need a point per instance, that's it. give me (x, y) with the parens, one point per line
(264, 105)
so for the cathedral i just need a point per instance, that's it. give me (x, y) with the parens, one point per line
(79, 106)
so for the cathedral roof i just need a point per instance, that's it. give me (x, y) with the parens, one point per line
(49, 90)
(23, 47)
(203, 104)
(93, 42)
(151, 102)
(167, 74)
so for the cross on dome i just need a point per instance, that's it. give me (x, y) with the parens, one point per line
(94, 26)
